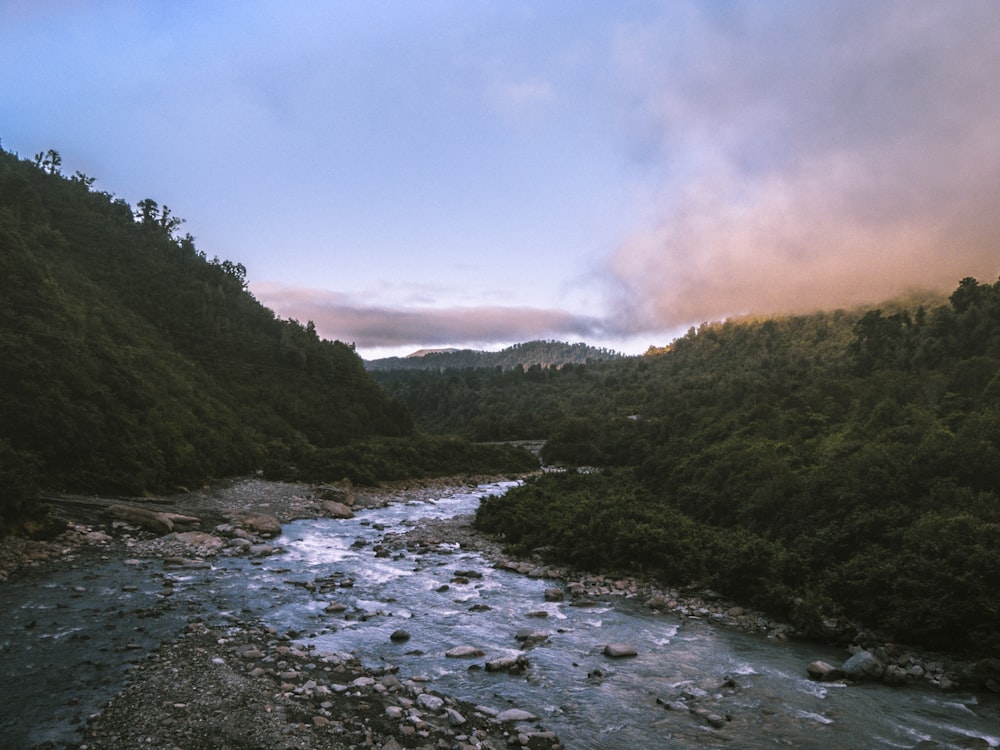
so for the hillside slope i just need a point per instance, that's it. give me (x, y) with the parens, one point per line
(131, 362)
(837, 467)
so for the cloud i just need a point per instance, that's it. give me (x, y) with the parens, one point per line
(338, 316)
(825, 157)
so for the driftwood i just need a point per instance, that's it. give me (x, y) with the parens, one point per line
(151, 520)
(164, 517)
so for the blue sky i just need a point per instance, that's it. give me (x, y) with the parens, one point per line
(472, 173)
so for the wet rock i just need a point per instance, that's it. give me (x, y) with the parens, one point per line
(399, 636)
(199, 540)
(820, 670)
(464, 652)
(554, 595)
(335, 509)
(430, 702)
(511, 664)
(863, 666)
(260, 523)
(530, 637)
(620, 650)
(516, 714)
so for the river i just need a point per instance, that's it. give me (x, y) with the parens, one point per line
(69, 636)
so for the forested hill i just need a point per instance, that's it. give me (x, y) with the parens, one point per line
(832, 468)
(131, 362)
(520, 356)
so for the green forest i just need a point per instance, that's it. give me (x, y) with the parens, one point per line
(837, 467)
(130, 362)
(519, 356)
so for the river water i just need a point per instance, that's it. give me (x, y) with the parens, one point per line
(67, 639)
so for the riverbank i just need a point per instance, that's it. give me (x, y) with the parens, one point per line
(242, 685)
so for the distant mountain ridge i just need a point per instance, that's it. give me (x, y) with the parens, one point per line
(544, 354)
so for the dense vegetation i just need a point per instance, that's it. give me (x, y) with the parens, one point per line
(130, 362)
(519, 356)
(839, 465)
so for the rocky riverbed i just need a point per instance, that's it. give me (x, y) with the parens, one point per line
(244, 685)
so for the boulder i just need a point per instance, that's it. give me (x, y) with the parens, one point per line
(863, 666)
(512, 664)
(619, 650)
(335, 509)
(515, 714)
(464, 652)
(261, 523)
(820, 670)
(554, 595)
(530, 637)
(399, 636)
(343, 492)
(430, 702)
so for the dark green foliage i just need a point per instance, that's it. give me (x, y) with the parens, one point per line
(129, 362)
(825, 465)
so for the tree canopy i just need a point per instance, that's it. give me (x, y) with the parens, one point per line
(131, 362)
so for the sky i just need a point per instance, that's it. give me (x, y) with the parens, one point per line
(476, 173)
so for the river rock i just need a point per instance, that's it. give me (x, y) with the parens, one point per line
(335, 509)
(512, 664)
(895, 675)
(430, 702)
(820, 670)
(261, 523)
(399, 636)
(530, 637)
(464, 652)
(620, 650)
(200, 540)
(516, 714)
(863, 666)
(554, 595)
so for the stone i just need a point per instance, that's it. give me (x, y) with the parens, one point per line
(512, 664)
(895, 675)
(820, 670)
(199, 539)
(516, 714)
(335, 509)
(430, 702)
(454, 717)
(464, 652)
(554, 595)
(715, 720)
(530, 637)
(399, 636)
(619, 650)
(261, 523)
(863, 666)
